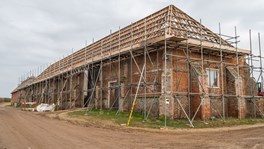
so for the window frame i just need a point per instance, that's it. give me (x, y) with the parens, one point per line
(218, 77)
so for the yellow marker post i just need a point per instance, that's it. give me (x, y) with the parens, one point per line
(135, 99)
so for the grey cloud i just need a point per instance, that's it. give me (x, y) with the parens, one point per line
(37, 32)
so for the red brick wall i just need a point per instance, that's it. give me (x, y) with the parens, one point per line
(15, 97)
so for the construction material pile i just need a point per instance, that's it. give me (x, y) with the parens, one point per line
(43, 107)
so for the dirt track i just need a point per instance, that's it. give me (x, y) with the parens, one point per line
(27, 130)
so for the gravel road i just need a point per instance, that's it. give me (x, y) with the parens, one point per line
(29, 130)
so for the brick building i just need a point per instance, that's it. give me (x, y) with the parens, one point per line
(170, 63)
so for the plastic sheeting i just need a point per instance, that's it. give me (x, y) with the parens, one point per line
(45, 107)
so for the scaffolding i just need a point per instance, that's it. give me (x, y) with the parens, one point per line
(165, 60)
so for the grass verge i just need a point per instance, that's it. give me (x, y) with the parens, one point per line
(6, 104)
(152, 122)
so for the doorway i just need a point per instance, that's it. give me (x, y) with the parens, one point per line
(113, 95)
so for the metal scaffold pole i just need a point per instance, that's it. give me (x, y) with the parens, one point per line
(189, 77)
(238, 76)
(119, 65)
(202, 64)
(101, 79)
(71, 80)
(250, 63)
(165, 74)
(222, 72)
(131, 66)
(260, 61)
(145, 61)
(110, 53)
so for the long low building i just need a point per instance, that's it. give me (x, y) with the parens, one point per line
(168, 62)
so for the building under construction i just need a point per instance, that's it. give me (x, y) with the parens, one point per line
(167, 62)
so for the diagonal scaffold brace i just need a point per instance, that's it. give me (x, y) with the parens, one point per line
(135, 99)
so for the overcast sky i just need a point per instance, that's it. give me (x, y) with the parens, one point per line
(34, 33)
